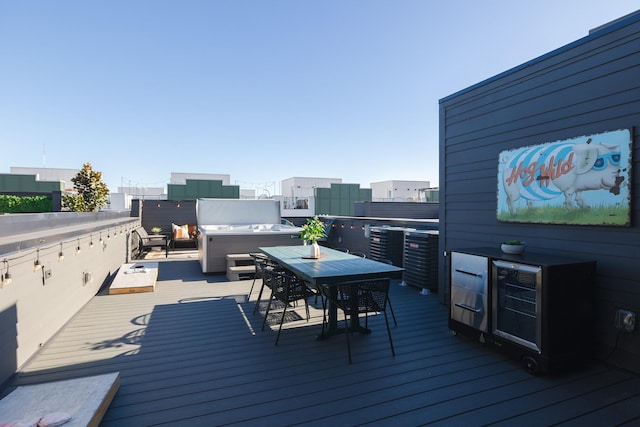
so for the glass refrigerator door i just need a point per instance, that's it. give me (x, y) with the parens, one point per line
(516, 303)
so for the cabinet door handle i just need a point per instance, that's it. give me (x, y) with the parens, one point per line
(468, 273)
(467, 307)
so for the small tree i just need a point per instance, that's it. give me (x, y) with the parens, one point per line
(92, 192)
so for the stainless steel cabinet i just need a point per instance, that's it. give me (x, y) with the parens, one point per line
(470, 290)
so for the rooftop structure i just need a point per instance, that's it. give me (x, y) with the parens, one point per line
(398, 190)
(47, 174)
(181, 177)
(503, 176)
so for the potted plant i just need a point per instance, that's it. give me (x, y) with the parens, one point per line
(311, 232)
(156, 230)
(515, 247)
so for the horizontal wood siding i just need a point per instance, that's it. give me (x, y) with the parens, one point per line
(397, 209)
(588, 87)
(161, 213)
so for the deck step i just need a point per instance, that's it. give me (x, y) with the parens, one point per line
(241, 272)
(239, 259)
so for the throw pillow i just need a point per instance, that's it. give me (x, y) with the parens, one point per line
(180, 231)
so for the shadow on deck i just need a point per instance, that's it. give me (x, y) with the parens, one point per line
(192, 353)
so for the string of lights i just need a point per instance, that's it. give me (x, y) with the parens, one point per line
(58, 248)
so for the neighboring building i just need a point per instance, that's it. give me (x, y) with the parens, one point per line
(120, 201)
(177, 183)
(44, 180)
(398, 191)
(201, 185)
(581, 96)
(248, 193)
(202, 188)
(340, 199)
(48, 174)
(297, 191)
(431, 194)
(181, 178)
(144, 193)
(27, 184)
(298, 195)
(33, 183)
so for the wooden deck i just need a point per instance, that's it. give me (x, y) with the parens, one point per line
(192, 353)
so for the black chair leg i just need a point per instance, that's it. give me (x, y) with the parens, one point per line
(251, 289)
(386, 320)
(259, 298)
(284, 311)
(346, 327)
(324, 316)
(264, 321)
(392, 313)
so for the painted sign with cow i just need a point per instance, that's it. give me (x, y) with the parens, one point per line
(583, 180)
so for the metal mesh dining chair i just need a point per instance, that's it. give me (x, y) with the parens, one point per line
(261, 265)
(262, 262)
(287, 289)
(362, 297)
(258, 258)
(386, 261)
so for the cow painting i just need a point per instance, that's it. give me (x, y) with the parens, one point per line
(565, 170)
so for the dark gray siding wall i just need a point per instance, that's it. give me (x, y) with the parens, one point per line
(161, 213)
(587, 87)
(397, 209)
(351, 232)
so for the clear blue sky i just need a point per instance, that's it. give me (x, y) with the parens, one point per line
(262, 90)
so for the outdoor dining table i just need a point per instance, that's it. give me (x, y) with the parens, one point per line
(330, 269)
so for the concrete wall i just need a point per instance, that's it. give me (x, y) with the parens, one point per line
(39, 299)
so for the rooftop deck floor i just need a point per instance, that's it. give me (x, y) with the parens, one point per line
(192, 353)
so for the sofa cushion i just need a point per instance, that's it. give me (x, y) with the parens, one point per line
(180, 231)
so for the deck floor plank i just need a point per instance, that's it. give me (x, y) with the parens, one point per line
(193, 353)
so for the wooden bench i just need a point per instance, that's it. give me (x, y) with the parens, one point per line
(240, 267)
(135, 278)
(84, 399)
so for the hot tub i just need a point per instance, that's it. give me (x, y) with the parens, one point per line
(231, 226)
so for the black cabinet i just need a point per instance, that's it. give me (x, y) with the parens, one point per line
(536, 307)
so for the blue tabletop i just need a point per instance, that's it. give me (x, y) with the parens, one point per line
(332, 266)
